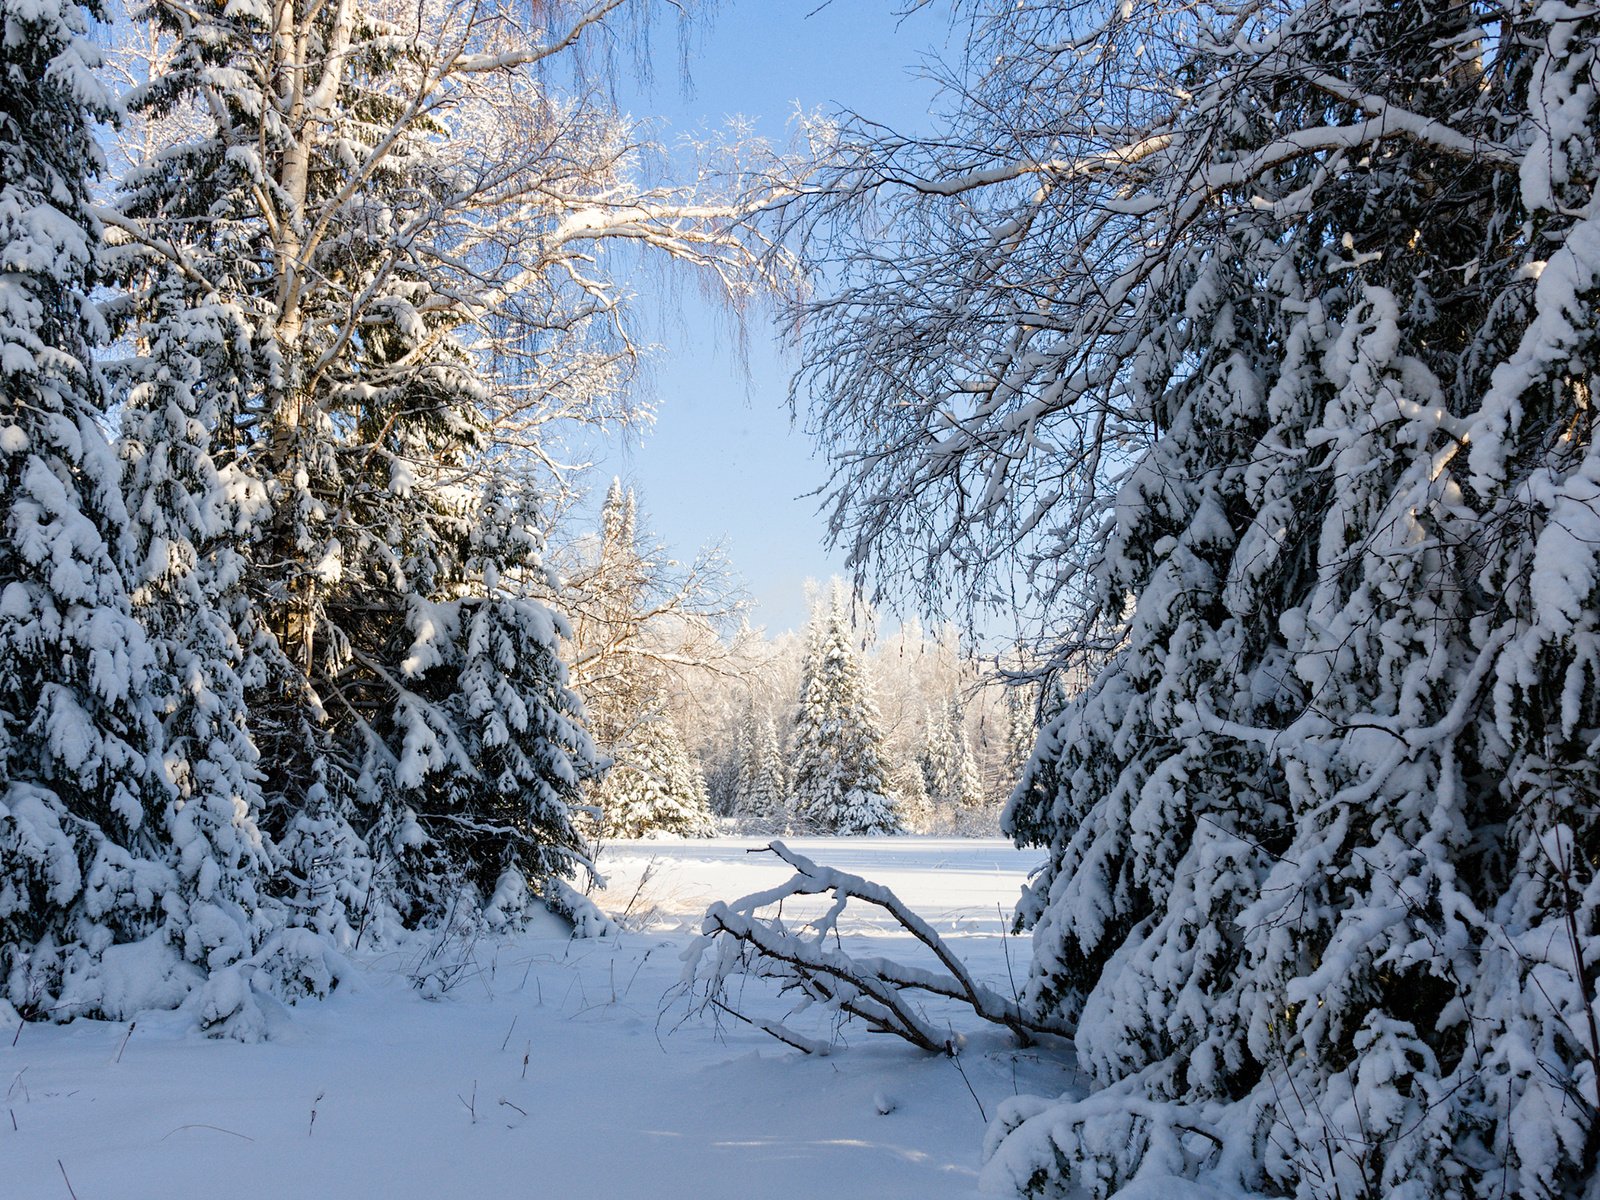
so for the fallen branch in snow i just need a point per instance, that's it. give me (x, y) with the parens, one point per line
(877, 991)
(216, 1128)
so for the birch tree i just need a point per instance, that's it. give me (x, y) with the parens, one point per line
(647, 630)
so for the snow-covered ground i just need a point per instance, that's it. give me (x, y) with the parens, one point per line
(547, 1067)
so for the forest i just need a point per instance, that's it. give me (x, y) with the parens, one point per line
(1204, 397)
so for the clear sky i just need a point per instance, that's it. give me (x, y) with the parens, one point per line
(722, 463)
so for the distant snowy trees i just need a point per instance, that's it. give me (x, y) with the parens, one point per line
(762, 785)
(949, 771)
(839, 780)
(932, 697)
(281, 664)
(1282, 319)
(656, 788)
(640, 621)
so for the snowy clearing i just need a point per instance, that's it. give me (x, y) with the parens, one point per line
(380, 1092)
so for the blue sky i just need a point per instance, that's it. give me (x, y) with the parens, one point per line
(722, 463)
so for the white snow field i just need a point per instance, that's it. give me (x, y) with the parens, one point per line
(546, 1068)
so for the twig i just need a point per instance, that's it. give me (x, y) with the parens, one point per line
(67, 1181)
(125, 1038)
(1005, 945)
(774, 1029)
(649, 870)
(635, 974)
(508, 1104)
(470, 1105)
(314, 1104)
(507, 1042)
(1580, 974)
(955, 1057)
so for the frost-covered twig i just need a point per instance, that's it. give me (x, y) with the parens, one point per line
(872, 989)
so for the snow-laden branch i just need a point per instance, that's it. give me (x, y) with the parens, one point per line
(736, 940)
(1060, 168)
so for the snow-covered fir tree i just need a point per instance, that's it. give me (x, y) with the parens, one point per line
(949, 770)
(934, 758)
(763, 791)
(725, 772)
(82, 794)
(616, 673)
(475, 772)
(642, 621)
(916, 810)
(188, 518)
(654, 786)
(838, 783)
(1021, 730)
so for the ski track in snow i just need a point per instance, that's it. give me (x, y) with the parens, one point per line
(626, 1092)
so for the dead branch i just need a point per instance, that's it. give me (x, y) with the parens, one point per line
(874, 990)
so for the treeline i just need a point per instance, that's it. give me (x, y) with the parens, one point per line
(948, 734)
(840, 728)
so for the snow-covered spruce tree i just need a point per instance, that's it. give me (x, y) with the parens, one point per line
(382, 193)
(725, 770)
(763, 802)
(501, 804)
(967, 797)
(934, 756)
(640, 619)
(1021, 731)
(743, 758)
(654, 786)
(1320, 897)
(838, 782)
(188, 518)
(916, 811)
(81, 791)
(1027, 816)
(949, 771)
(618, 676)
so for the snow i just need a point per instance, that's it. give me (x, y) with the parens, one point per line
(547, 1065)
